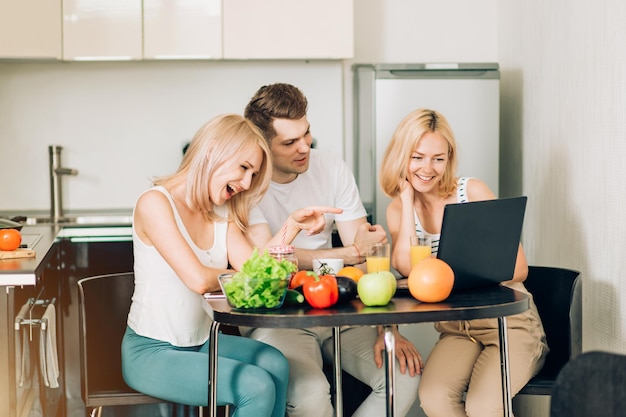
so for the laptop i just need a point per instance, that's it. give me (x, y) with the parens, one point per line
(480, 239)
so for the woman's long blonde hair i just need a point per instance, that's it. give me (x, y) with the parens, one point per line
(397, 156)
(216, 142)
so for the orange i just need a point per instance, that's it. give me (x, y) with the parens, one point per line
(351, 272)
(431, 280)
(10, 239)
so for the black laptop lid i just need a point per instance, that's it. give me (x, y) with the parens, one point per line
(480, 239)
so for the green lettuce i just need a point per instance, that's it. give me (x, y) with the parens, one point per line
(261, 283)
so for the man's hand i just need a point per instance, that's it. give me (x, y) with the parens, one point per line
(312, 218)
(367, 234)
(408, 356)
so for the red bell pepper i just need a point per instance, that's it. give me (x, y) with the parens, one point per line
(321, 291)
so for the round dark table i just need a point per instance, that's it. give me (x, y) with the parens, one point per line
(486, 302)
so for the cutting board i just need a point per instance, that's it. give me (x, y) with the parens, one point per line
(17, 253)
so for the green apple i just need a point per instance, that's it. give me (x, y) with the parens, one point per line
(376, 289)
(392, 281)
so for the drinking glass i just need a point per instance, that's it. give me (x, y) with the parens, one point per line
(420, 248)
(377, 257)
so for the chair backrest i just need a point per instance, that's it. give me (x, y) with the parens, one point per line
(592, 384)
(104, 302)
(557, 295)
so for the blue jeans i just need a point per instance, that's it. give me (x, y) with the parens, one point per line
(251, 375)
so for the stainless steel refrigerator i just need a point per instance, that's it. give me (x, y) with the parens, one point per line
(467, 94)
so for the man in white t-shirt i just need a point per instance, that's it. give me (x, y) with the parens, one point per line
(303, 177)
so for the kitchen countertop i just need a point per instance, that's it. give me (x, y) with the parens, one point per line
(75, 218)
(24, 271)
(92, 226)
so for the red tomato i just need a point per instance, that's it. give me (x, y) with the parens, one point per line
(300, 278)
(10, 239)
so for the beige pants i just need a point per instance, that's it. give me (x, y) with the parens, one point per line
(462, 373)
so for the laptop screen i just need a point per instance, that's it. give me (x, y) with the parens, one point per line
(480, 240)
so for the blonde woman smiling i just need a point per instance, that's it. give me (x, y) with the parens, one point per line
(186, 230)
(461, 376)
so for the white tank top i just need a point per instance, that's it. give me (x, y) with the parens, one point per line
(461, 197)
(163, 307)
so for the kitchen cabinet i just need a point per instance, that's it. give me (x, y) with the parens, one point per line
(116, 30)
(21, 386)
(63, 256)
(30, 29)
(102, 29)
(287, 29)
(183, 29)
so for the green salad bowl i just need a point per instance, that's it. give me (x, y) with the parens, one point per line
(247, 293)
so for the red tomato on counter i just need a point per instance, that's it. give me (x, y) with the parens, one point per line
(10, 239)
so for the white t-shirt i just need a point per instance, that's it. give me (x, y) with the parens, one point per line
(327, 182)
(163, 307)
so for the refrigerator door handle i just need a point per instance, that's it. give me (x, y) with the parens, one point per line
(440, 73)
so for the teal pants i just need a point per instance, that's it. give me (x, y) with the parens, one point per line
(251, 375)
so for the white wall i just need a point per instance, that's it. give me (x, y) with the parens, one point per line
(123, 122)
(566, 104)
(563, 113)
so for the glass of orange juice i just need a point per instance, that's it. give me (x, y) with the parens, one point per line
(377, 257)
(420, 248)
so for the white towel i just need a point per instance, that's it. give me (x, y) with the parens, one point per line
(48, 358)
(22, 346)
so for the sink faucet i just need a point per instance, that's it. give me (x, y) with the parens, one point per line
(56, 191)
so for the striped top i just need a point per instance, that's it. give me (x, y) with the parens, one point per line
(461, 197)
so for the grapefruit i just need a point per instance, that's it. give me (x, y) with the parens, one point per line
(431, 280)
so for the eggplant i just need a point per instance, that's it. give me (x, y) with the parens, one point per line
(347, 289)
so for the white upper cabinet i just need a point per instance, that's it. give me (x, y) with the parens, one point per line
(30, 29)
(177, 29)
(102, 29)
(288, 29)
(182, 29)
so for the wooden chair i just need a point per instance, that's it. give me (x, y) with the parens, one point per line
(592, 384)
(104, 302)
(558, 295)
